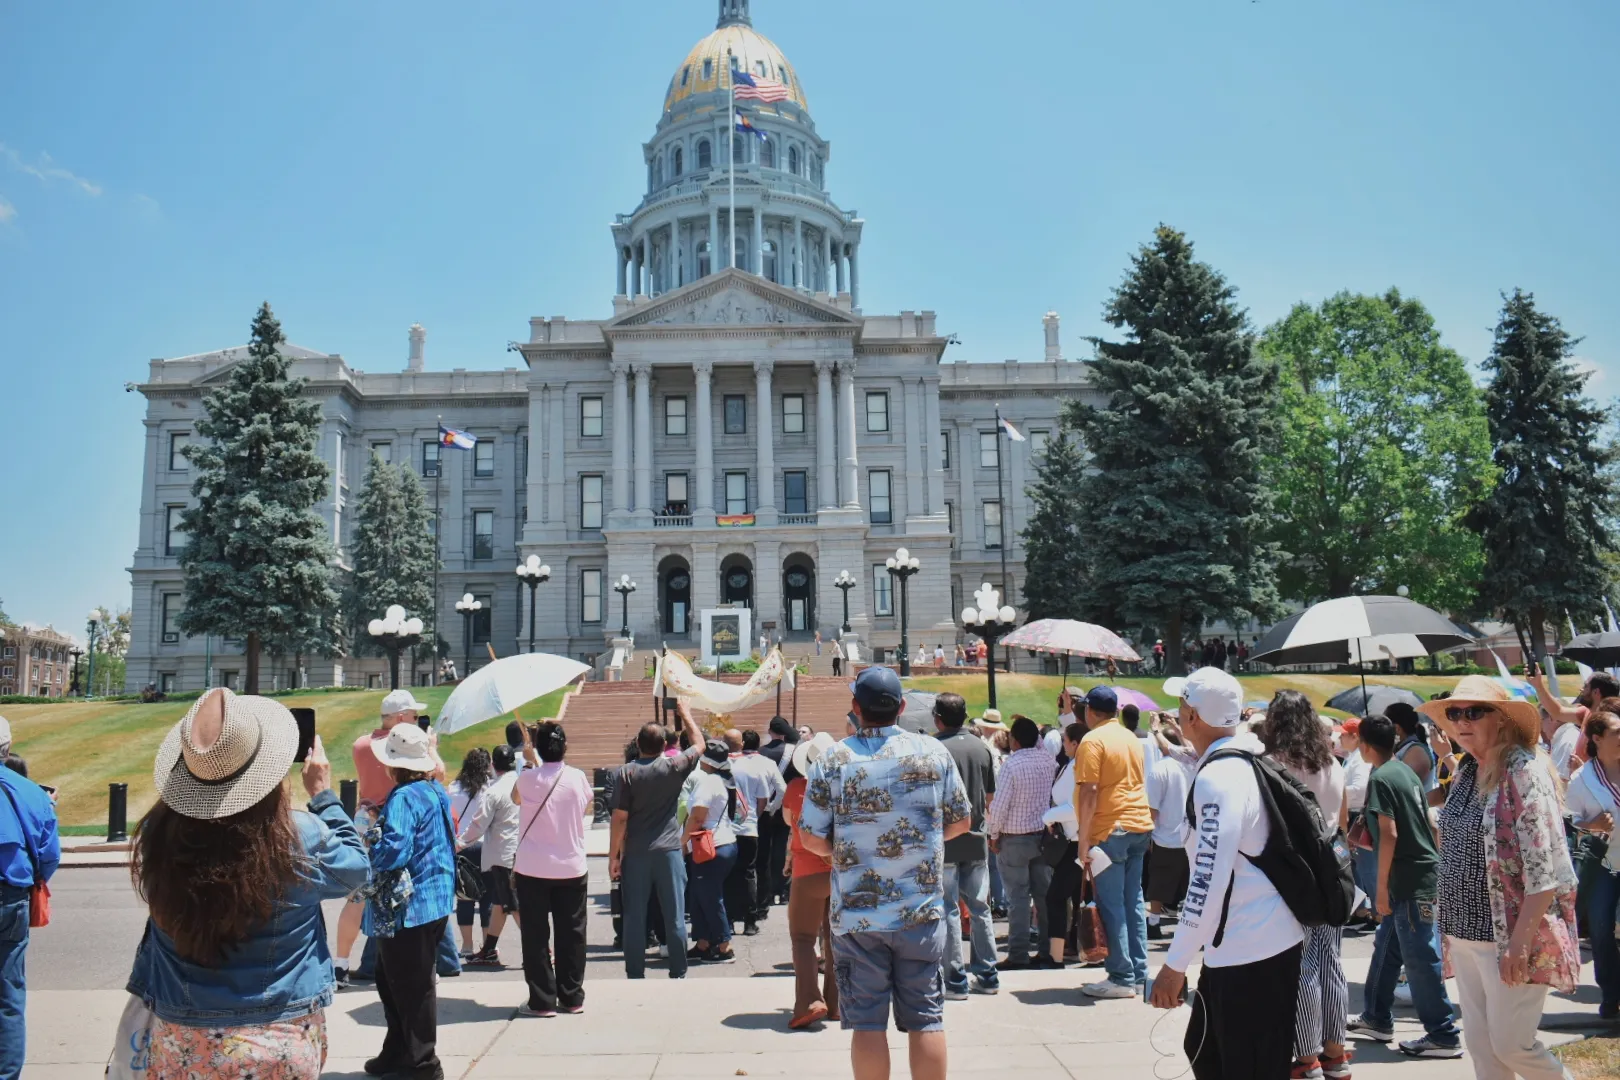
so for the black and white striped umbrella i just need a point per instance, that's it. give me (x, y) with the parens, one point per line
(1357, 629)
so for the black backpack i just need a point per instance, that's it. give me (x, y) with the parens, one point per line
(1306, 857)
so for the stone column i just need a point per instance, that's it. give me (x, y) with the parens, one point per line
(826, 438)
(935, 435)
(855, 275)
(622, 268)
(535, 488)
(703, 502)
(757, 257)
(622, 425)
(799, 261)
(635, 268)
(765, 441)
(846, 434)
(556, 482)
(643, 422)
(911, 390)
(827, 264)
(714, 239)
(838, 267)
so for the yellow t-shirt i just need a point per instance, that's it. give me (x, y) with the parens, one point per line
(1111, 758)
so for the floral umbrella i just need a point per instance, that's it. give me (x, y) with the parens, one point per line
(1069, 637)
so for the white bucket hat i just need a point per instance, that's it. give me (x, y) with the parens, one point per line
(405, 747)
(227, 753)
(808, 752)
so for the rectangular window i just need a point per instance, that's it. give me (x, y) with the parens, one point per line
(342, 469)
(525, 457)
(483, 534)
(484, 457)
(166, 682)
(675, 490)
(877, 410)
(430, 457)
(877, 497)
(590, 596)
(989, 450)
(482, 619)
(882, 591)
(945, 450)
(178, 441)
(590, 502)
(674, 416)
(792, 414)
(171, 611)
(794, 497)
(174, 537)
(1038, 438)
(384, 450)
(590, 417)
(736, 493)
(950, 521)
(11, 650)
(736, 412)
(992, 525)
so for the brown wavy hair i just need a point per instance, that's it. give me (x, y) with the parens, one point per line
(208, 884)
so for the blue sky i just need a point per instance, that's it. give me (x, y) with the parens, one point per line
(164, 167)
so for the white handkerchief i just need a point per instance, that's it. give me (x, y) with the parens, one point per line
(1099, 860)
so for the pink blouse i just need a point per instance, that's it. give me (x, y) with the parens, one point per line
(553, 846)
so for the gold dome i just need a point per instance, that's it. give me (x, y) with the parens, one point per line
(701, 71)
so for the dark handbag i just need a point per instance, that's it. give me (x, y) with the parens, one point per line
(1091, 941)
(39, 894)
(470, 884)
(1360, 837)
(1054, 845)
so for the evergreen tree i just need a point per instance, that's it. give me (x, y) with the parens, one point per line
(1174, 508)
(392, 550)
(1548, 525)
(258, 557)
(1054, 541)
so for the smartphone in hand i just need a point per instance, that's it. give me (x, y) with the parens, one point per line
(306, 732)
(423, 722)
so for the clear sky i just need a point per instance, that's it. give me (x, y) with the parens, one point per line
(166, 166)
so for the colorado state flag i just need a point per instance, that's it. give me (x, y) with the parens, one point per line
(456, 440)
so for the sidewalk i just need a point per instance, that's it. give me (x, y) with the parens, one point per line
(1039, 1026)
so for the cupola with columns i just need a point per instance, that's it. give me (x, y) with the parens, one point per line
(787, 227)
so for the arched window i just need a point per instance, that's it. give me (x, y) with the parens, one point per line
(704, 259)
(675, 163)
(708, 69)
(705, 155)
(740, 251)
(793, 160)
(761, 70)
(739, 150)
(686, 73)
(781, 75)
(770, 260)
(767, 153)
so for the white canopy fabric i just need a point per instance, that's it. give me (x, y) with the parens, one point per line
(509, 683)
(675, 678)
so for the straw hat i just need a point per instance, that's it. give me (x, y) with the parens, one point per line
(1483, 690)
(405, 747)
(228, 752)
(992, 720)
(807, 753)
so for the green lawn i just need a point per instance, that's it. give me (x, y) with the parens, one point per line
(81, 747)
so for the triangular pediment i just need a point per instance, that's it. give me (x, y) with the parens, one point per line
(734, 298)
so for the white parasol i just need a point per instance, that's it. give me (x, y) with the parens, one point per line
(506, 684)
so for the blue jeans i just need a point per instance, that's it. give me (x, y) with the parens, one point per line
(13, 980)
(709, 920)
(1407, 936)
(998, 888)
(1602, 900)
(447, 961)
(1027, 878)
(640, 875)
(969, 882)
(1119, 902)
(1364, 865)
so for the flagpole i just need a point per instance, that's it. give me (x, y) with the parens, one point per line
(438, 474)
(731, 160)
(1001, 508)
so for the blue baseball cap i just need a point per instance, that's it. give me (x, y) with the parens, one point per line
(1103, 700)
(877, 687)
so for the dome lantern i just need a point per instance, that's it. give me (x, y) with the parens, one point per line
(733, 13)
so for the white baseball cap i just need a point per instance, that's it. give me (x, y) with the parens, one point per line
(399, 701)
(1174, 685)
(1216, 695)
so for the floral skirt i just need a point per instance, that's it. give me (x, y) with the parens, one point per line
(288, 1050)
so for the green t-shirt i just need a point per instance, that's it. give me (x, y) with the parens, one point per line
(1395, 792)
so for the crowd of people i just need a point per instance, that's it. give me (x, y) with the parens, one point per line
(1475, 826)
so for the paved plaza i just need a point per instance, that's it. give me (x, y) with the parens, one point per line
(722, 1022)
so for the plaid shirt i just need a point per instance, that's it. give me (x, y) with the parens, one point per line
(415, 835)
(1023, 793)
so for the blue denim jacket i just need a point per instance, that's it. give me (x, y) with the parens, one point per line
(284, 969)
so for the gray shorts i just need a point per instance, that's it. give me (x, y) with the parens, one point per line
(876, 967)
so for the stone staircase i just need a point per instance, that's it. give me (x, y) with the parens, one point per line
(604, 716)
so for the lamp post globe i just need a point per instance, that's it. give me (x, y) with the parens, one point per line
(469, 607)
(624, 587)
(844, 582)
(902, 566)
(533, 573)
(990, 620)
(394, 633)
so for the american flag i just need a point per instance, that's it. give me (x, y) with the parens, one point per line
(746, 87)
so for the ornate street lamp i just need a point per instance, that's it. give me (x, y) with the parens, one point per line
(989, 621)
(844, 582)
(902, 565)
(533, 573)
(468, 608)
(395, 633)
(75, 652)
(624, 587)
(90, 672)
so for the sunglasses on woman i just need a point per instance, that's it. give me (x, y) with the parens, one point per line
(1471, 714)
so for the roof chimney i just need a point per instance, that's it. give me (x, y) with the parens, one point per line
(1054, 351)
(418, 344)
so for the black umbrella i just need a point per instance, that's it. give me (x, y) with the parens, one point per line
(1355, 629)
(1594, 650)
(1371, 700)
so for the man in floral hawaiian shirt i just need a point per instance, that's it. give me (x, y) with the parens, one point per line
(880, 805)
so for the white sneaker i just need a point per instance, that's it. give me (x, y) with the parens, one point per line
(1107, 989)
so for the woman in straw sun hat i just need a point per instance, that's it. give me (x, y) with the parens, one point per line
(413, 834)
(234, 963)
(1507, 888)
